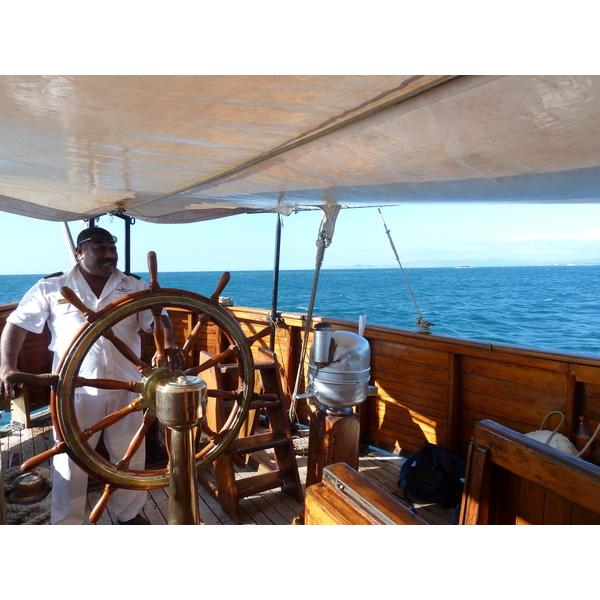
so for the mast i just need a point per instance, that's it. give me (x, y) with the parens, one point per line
(129, 221)
(275, 280)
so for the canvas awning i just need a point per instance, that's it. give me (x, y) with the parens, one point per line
(177, 149)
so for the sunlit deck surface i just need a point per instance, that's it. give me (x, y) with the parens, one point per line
(272, 507)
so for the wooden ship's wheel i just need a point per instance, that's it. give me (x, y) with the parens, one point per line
(74, 441)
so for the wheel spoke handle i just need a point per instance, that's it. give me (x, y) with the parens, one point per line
(159, 340)
(136, 442)
(191, 341)
(211, 444)
(220, 393)
(206, 429)
(232, 414)
(36, 461)
(90, 316)
(51, 379)
(227, 354)
(32, 378)
(212, 362)
(215, 437)
(109, 490)
(110, 384)
(159, 335)
(113, 418)
(109, 334)
(203, 318)
(153, 272)
(69, 295)
(221, 285)
(260, 334)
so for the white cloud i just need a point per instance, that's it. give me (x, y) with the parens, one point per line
(587, 234)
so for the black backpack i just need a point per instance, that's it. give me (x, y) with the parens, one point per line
(433, 473)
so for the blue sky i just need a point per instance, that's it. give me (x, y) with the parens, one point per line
(424, 235)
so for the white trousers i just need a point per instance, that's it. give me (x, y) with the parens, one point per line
(69, 486)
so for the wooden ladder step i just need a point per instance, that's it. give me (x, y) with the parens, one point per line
(232, 367)
(231, 487)
(265, 401)
(259, 441)
(258, 402)
(255, 484)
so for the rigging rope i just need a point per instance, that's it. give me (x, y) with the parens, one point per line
(300, 436)
(420, 321)
(324, 240)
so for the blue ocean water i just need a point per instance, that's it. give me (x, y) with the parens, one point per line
(554, 308)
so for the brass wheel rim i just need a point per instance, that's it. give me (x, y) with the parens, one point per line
(78, 449)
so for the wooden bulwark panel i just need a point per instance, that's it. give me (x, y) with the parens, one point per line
(591, 398)
(5, 310)
(410, 354)
(411, 405)
(502, 391)
(35, 358)
(407, 429)
(437, 388)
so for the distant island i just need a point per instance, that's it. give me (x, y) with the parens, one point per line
(470, 264)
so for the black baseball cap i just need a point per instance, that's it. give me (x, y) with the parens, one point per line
(96, 235)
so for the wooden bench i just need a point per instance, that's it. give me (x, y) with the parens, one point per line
(344, 497)
(514, 480)
(510, 480)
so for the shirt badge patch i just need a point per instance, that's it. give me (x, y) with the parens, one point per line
(123, 290)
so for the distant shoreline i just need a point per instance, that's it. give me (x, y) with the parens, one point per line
(352, 268)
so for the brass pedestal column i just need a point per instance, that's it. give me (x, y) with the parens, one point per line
(180, 406)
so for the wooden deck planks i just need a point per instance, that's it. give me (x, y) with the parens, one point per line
(272, 507)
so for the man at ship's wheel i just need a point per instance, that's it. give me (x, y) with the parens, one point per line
(97, 282)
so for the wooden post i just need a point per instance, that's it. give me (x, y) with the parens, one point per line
(572, 405)
(333, 438)
(452, 423)
(475, 505)
(21, 409)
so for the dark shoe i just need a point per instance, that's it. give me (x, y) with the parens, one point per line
(137, 520)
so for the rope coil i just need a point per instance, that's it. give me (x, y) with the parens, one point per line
(32, 513)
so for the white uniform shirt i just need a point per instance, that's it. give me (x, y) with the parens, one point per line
(43, 303)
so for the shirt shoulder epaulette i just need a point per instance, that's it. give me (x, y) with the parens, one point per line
(57, 274)
(132, 275)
